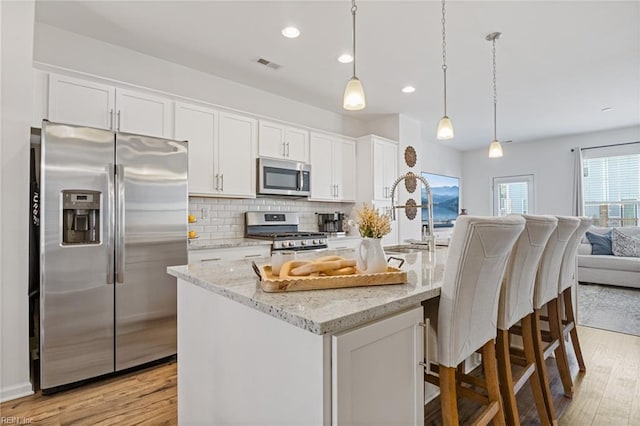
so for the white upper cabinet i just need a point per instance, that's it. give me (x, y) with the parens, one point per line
(237, 155)
(86, 103)
(377, 167)
(142, 113)
(198, 126)
(221, 150)
(284, 142)
(81, 102)
(333, 172)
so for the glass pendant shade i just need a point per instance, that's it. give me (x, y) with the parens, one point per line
(354, 99)
(445, 129)
(495, 149)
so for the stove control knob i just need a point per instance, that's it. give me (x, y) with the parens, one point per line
(316, 242)
(303, 242)
(291, 244)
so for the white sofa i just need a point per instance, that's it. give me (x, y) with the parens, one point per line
(607, 269)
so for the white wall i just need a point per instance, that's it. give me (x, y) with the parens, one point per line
(549, 160)
(16, 103)
(65, 49)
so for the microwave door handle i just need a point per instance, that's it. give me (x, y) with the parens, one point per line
(300, 180)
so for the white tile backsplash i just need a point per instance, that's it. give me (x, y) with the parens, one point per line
(224, 217)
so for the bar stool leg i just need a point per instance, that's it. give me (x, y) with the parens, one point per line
(448, 395)
(568, 308)
(491, 372)
(534, 379)
(555, 326)
(541, 367)
(506, 379)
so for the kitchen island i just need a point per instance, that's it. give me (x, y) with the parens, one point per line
(317, 357)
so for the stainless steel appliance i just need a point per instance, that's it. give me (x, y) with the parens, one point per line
(113, 217)
(331, 223)
(282, 177)
(282, 229)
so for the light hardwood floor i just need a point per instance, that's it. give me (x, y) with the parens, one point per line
(608, 394)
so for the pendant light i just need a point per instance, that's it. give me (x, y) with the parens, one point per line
(495, 149)
(354, 92)
(445, 128)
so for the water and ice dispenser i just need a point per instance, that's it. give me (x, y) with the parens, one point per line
(80, 217)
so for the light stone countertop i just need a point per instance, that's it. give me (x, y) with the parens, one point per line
(222, 243)
(322, 311)
(197, 244)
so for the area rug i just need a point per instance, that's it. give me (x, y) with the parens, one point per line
(609, 308)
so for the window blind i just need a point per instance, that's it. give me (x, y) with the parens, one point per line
(611, 185)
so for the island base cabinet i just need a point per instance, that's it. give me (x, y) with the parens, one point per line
(239, 366)
(376, 373)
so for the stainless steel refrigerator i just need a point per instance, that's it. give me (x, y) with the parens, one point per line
(113, 216)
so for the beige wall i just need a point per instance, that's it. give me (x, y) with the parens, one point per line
(16, 105)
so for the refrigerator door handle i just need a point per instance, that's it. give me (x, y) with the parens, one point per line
(119, 236)
(110, 222)
(111, 122)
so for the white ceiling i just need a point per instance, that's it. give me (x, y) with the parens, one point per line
(559, 62)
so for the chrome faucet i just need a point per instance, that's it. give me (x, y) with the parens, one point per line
(429, 238)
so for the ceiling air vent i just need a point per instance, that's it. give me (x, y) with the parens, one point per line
(267, 63)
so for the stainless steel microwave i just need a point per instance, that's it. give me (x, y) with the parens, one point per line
(283, 177)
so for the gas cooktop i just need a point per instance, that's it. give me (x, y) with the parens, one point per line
(282, 229)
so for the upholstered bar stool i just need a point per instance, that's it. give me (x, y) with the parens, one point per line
(546, 294)
(566, 283)
(467, 311)
(516, 306)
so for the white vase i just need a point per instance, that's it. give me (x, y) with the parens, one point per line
(370, 256)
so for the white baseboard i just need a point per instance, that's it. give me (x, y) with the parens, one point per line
(16, 391)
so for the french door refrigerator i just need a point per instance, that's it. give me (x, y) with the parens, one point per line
(113, 217)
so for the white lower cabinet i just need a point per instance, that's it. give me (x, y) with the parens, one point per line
(290, 376)
(376, 373)
(343, 243)
(227, 254)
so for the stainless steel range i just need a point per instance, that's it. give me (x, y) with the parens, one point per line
(282, 229)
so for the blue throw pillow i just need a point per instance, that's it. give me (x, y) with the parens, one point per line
(600, 243)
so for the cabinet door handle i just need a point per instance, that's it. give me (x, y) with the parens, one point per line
(253, 255)
(111, 119)
(287, 149)
(284, 149)
(337, 191)
(118, 129)
(211, 259)
(216, 182)
(222, 182)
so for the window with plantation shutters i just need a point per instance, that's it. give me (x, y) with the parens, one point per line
(611, 185)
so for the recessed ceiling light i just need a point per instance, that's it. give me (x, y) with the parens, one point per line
(345, 59)
(606, 109)
(291, 32)
(408, 89)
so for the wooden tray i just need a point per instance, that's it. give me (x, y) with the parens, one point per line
(273, 284)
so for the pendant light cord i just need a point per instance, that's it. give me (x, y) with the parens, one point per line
(495, 94)
(444, 57)
(354, 8)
